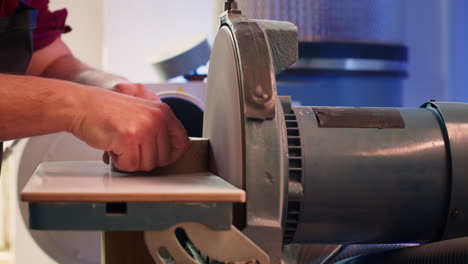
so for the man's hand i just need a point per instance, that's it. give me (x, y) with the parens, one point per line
(132, 89)
(139, 134)
(135, 89)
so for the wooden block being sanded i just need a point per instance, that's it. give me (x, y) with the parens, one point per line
(91, 181)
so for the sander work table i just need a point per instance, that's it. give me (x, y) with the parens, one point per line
(90, 196)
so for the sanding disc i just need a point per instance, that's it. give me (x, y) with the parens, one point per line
(223, 118)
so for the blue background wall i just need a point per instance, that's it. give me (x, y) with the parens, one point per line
(437, 35)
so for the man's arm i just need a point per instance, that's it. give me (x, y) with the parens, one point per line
(34, 106)
(57, 61)
(140, 134)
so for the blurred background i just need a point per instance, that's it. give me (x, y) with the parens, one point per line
(121, 36)
(124, 37)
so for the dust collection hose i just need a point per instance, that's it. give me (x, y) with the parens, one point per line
(454, 251)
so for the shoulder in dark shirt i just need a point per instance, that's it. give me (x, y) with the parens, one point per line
(50, 25)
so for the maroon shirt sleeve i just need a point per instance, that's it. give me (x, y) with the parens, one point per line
(50, 25)
(8, 7)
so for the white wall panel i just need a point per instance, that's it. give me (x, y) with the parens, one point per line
(134, 31)
(86, 19)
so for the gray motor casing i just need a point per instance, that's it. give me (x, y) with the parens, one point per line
(372, 184)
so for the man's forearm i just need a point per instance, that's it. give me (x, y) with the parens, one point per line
(32, 106)
(71, 69)
(57, 61)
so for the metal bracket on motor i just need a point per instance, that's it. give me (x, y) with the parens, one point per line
(226, 246)
(264, 48)
(256, 68)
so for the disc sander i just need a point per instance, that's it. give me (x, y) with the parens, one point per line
(223, 118)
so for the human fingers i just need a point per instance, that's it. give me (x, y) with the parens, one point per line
(136, 90)
(128, 158)
(149, 153)
(178, 139)
(163, 147)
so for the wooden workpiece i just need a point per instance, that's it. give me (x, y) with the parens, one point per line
(185, 181)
